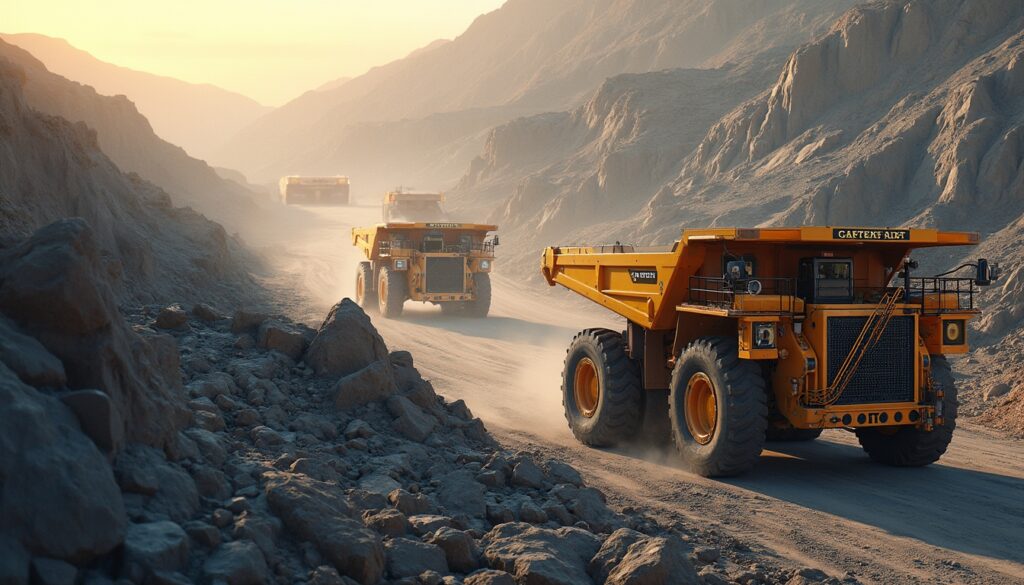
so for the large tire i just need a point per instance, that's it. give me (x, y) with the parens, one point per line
(791, 435)
(607, 409)
(392, 290)
(734, 425)
(911, 446)
(481, 305)
(366, 296)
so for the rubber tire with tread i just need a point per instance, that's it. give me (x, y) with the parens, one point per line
(911, 446)
(365, 272)
(620, 403)
(742, 409)
(481, 305)
(791, 435)
(395, 288)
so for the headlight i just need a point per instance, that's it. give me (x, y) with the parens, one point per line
(401, 264)
(485, 265)
(764, 335)
(953, 332)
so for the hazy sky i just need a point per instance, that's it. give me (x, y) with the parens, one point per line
(270, 50)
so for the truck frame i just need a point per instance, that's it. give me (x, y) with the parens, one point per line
(747, 335)
(443, 263)
(298, 190)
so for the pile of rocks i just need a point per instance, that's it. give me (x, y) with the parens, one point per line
(185, 446)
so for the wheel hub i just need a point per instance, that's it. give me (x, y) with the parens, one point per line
(701, 408)
(585, 388)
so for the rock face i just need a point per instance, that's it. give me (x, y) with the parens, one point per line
(346, 342)
(539, 555)
(147, 247)
(59, 498)
(53, 286)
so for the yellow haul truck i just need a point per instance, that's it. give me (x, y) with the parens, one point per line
(413, 206)
(772, 333)
(447, 264)
(297, 190)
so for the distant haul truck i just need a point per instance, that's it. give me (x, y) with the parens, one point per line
(770, 334)
(447, 264)
(296, 190)
(413, 206)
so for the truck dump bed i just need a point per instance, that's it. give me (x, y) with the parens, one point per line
(648, 285)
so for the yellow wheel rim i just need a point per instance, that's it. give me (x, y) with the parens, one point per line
(701, 408)
(585, 387)
(382, 292)
(360, 289)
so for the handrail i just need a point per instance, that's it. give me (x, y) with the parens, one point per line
(722, 292)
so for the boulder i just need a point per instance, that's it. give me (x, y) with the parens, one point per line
(171, 492)
(530, 512)
(387, 522)
(653, 561)
(236, 563)
(280, 336)
(612, 552)
(14, 561)
(53, 572)
(996, 390)
(97, 417)
(410, 420)
(409, 504)
(458, 492)
(409, 558)
(539, 555)
(27, 358)
(207, 313)
(490, 577)
(345, 343)
(422, 524)
(559, 472)
(460, 550)
(588, 505)
(154, 546)
(171, 317)
(60, 499)
(370, 384)
(247, 321)
(526, 473)
(314, 511)
(54, 287)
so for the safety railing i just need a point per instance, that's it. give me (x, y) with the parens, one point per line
(722, 292)
(939, 294)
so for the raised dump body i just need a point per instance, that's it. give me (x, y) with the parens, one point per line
(447, 264)
(296, 190)
(413, 206)
(773, 333)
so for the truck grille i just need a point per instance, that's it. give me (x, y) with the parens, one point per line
(446, 275)
(886, 374)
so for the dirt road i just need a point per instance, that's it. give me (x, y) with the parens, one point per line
(822, 504)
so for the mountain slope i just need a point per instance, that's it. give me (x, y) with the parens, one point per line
(527, 57)
(52, 169)
(197, 117)
(128, 139)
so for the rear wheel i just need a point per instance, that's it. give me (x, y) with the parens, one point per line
(392, 290)
(791, 435)
(717, 408)
(366, 297)
(912, 446)
(601, 389)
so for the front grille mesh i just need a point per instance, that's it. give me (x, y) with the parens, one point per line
(886, 374)
(446, 275)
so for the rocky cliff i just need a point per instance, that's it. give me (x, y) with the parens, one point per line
(127, 137)
(51, 169)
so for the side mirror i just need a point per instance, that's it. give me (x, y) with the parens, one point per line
(986, 272)
(495, 240)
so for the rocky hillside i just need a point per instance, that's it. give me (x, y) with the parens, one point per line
(530, 56)
(52, 169)
(188, 447)
(197, 117)
(127, 138)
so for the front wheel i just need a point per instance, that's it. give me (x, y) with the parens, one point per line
(392, 290)
(718, 408)
(366, 297)
(913, 446)
(481, 304)
(601, 389)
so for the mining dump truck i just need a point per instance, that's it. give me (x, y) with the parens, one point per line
(447, 264)
(770, 334)
(297, 190)
(413, 206)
